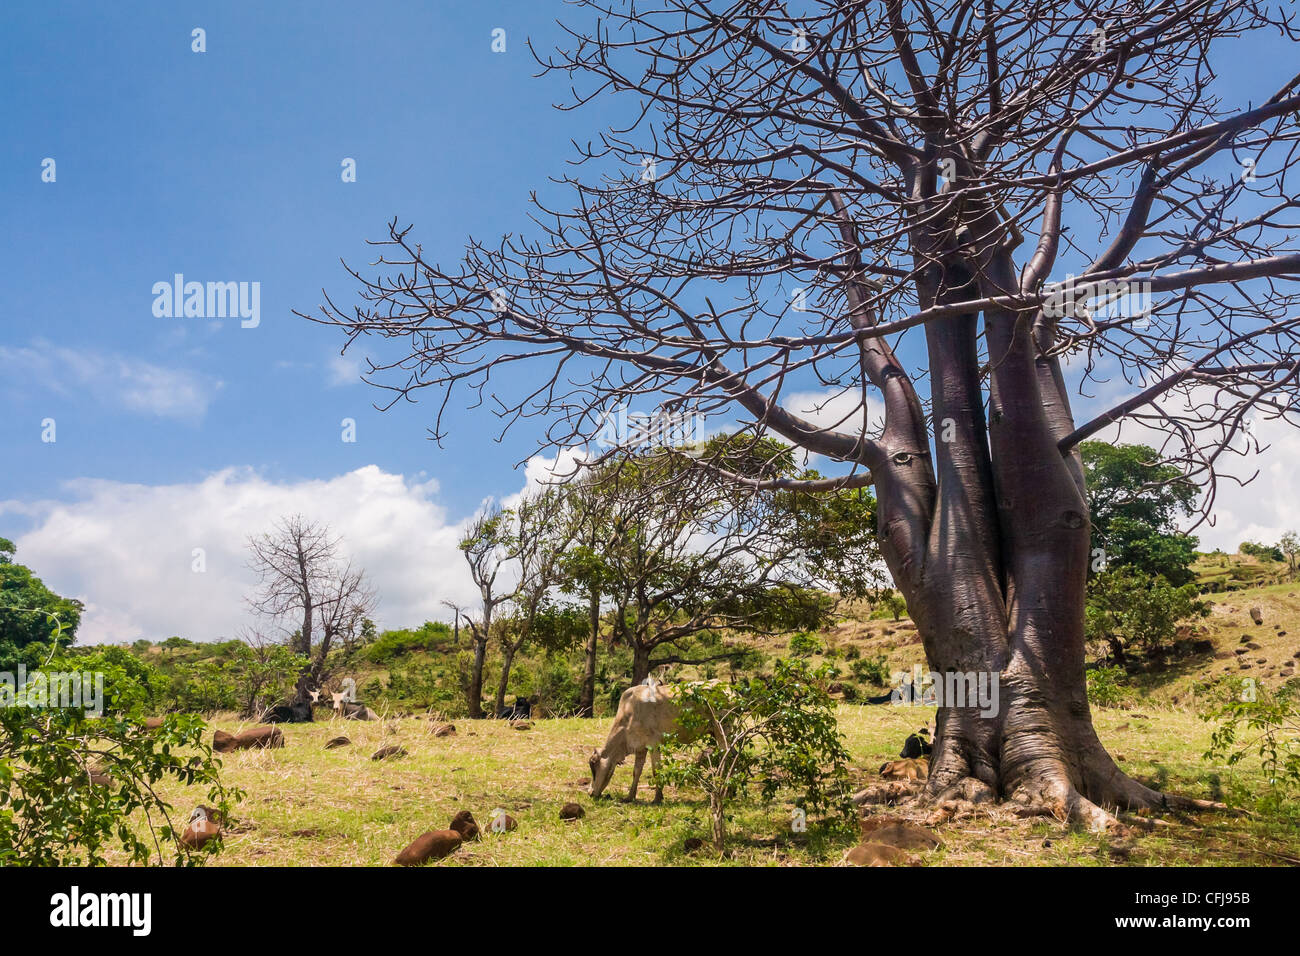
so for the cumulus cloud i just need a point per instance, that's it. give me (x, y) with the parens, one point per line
(343, 370)
(1258, 495)
(128, 550)
(129, 383)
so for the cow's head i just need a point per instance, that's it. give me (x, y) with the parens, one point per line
(602, 768)
(339, 700)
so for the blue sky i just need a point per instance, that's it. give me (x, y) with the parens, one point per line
(177, 434)
(226, 166)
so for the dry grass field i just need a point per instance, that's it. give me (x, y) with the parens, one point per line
(307, 806)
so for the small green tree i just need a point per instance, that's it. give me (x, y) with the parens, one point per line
(894, 603)
(1264, 723)
(777, 732)
(32, 617)
(1289, 544)
(69, 780)
(1129, 608)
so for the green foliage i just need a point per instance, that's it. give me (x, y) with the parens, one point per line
(804, 644)
(1267, 552)
(1105, 686)
(236, 676)
(1128, 608)
(1134, 504)
(1265, 724)
(430, 637)
(33, 619)
(892, 603)
(873, 670)
(836, 531)
(772, 733)
(50, 811)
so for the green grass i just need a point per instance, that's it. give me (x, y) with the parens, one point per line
(309, 806)
(306, 805)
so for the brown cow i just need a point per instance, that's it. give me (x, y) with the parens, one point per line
(250, 739)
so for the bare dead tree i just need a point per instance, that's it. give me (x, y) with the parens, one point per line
(457, 612)
(303, 579)
(835, 194)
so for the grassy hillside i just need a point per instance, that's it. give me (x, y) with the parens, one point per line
(307, 805)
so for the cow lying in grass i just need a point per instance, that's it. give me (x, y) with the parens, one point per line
(351, 710)
(646, 713)
(295, 713)
(522, 710)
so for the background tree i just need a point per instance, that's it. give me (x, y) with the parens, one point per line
(540, 537)
(583, 574)
(1290, 546)
(1128, 607)
(839, 196)
(1135, 502)
(32, 617)
(304, 578)
(683, 553)
(486, 544)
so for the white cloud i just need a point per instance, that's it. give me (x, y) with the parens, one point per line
(344, 370)
(130, 383)
(1262, 509)
(127, 549)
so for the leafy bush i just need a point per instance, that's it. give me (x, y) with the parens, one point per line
(777, 732)
(874, 670)
(1267, 552)
(1130, 608)
(804, 644)
(53, 812)
(430, 636)
(1104, 686)
(1264, 723)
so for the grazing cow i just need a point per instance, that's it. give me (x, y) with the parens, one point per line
(645, 713)
(522, 710)
(295, 713)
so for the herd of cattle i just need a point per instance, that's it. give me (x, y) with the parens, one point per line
(646, 713)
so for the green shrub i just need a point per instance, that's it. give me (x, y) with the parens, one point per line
(1266, 724)
(804, 644)
(51, 811)
(874, 670)
(1105, 685)
(780, 733)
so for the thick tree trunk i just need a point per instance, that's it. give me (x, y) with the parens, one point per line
(507, 658)
(587, 695)
(988, 542)
(475, 693)
(640, 662)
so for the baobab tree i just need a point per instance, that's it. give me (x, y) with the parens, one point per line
(837, 195)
